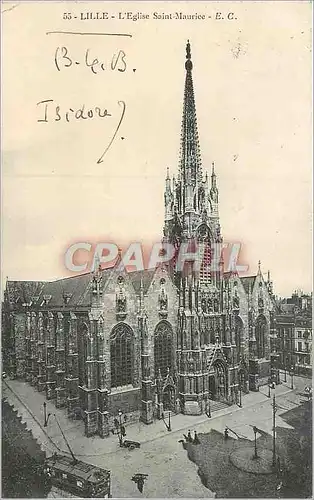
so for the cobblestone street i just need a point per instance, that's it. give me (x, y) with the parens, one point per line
(161, 456)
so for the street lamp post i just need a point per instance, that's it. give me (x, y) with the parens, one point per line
(168, 426)
(255, 443)
(169, 421)
(269, 386)
(240, 394)
(291, 375)
(274, 425)
(46, 417)
(207, 407)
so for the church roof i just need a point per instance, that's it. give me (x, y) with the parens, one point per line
(145, 276)
(74, 291)
(229, 274)
(75, 288)
(287, 308)
(20, 292)
(248, 282)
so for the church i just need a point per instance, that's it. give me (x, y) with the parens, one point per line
(144, 342)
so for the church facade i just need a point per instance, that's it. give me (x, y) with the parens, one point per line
(173, 338)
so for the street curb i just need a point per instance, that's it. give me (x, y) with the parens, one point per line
(214, 417)
(35, 419)
(160, 436)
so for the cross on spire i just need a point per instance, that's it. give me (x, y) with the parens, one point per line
(188, 64)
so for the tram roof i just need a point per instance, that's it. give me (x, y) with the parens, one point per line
(87, 472)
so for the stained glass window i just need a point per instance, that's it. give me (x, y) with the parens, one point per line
(163, 348)
(121, 355)
(82, 336)
(238, 333)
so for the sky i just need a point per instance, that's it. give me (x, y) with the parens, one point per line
(252, 78)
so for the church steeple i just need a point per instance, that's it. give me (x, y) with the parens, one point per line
(191, 200)
(190, 158)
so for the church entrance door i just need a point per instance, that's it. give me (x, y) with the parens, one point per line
(212, 386)
(219, 381)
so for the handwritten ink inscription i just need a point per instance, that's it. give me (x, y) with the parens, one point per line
(51, 112)
(64, 59)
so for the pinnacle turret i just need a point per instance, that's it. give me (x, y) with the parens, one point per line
(213, 188)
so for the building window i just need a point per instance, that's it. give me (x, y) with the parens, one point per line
(300, 346)
(260, 334)
(163, 348)
(299, 335)
(121, 355)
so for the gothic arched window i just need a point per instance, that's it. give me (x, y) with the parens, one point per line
(121, 355)
(163, 348)
(204, 238)
(260, 335)
(82, 349)
(238, 332)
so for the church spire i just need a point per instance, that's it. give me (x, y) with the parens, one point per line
(191, 201)
(190, 157)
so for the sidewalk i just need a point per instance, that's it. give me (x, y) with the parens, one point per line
(29, 404)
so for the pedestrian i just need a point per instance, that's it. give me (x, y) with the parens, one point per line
(196, 440)
(190, 436)
(279, 488)
(226, 433)
(140, 484)
(139, 479)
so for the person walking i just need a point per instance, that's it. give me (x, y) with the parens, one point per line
(190, 437)
(140, 484)
(140, 479)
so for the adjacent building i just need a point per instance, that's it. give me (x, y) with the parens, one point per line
(294, 333)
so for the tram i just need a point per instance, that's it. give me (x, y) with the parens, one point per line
(77, 478)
